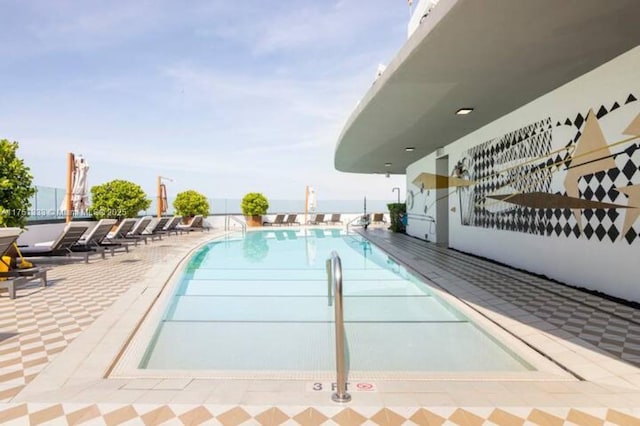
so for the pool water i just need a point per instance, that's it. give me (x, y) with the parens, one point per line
(260, 303)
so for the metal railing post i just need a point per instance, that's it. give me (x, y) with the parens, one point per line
(242, 224)
(329, 283)
(341, 394)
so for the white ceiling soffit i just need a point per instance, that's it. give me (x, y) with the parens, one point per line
(492, 55)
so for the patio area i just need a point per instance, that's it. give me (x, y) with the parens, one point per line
(594, 340)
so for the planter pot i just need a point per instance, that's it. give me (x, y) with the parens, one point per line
(253, 220)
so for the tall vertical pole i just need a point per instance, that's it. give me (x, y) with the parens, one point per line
(70, 169)
(306, 203)
(159, 207)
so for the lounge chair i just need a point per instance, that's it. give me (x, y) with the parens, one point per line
(317, 220)
(279, 220)
(195, 224)
(119, 236)
(96, 239)
(137, 232)
(125, 226)
(335, 219)
(172, 225)
(61, 246)
(13, 278)
(291, 220)
(378, 218)
(156, 229)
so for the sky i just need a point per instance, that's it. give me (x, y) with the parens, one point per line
(223, 97)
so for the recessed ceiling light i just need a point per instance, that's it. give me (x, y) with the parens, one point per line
(387, 164)
(464, 111)
(410, 149)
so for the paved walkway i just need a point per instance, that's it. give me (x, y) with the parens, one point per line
(37, 326)
(41, 322)
(610, 326)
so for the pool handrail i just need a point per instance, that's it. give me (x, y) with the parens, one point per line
(362, 220)
(235, 219)
(334, 275)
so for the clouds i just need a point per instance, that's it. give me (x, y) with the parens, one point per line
(284, 26)
(200, 91)
(289, 97)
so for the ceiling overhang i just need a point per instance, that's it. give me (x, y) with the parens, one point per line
(491, 55)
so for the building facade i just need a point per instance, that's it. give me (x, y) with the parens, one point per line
(543, 172)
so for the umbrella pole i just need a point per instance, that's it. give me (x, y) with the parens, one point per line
(70, 171)
(163, 202)
(159, 207)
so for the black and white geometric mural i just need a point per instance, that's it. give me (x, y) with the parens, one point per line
(578, 177)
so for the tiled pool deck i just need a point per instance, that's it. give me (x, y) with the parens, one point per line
(90, 306)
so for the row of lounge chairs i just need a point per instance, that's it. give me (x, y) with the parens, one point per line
(319, 219)
(79, 240)
(280, 220)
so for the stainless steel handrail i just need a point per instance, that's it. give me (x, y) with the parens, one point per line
(235, 219)
(334, 271)
(363, 220)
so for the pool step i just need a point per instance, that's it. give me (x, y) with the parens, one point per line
(309, 308)
(298, 288)
(290, 274)
(309, 347)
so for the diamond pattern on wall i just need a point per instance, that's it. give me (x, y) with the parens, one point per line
(495, 165)
(508, 165)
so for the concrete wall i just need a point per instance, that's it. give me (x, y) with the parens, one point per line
(594, 121)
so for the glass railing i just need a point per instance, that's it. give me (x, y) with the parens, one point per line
(46, 204)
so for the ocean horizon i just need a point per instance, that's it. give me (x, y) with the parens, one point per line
(46, 205)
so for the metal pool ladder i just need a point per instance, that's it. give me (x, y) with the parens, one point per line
(227, 223)
(334, 275)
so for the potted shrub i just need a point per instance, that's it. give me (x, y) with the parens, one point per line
(253, 206)
(190, 203)
(397, 211)
(15, 186)
(117, 199)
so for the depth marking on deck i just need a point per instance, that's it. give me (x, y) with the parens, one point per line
(332, 386)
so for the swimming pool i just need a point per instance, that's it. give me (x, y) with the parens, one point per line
(260, 303)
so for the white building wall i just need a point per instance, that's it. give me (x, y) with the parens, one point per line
(605, 264)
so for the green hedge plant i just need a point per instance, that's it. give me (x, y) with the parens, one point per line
(118, 199)
(395, 210)
(254, 204)
(15, 186)
(190, 203)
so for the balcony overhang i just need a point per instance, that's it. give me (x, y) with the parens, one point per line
(490, 55)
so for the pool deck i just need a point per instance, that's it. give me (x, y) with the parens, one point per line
(57, 345)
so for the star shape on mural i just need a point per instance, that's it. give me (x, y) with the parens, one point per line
(633, 211)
